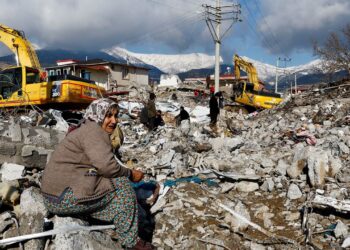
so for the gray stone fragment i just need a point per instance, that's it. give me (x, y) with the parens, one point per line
(32, 216)
(10, 171)
(32, 202)
(327, 123)
(34, 157)
(229, 144)
(335, 165)
(268, 185)
(166, 158)
(317, 167)
(299, 161)
(237, 224)
(7, 148)
(282, 167)
(246, 186)
(82, 240)
(294, 192)
(15, 131)
(343, 148)
(5, 221)
(341, 230)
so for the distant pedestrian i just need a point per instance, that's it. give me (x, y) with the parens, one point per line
(174, 97)
(158, 121)
(183, 115)
(151, 111)
(144, 115)
(214, 108)
(212, 90)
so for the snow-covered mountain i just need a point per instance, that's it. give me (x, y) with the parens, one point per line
(267, 72)
(171, 64)
(126, 55)
(175, 64)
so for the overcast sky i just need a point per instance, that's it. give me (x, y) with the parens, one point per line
(269, 28)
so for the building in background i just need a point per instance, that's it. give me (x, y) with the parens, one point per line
(169, 81)
(109, 75)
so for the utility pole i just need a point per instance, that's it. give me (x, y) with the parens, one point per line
(276, 84)
(217, 48)
(285, 60)
(216, 15)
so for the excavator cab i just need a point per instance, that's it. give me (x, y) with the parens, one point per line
(10, 82)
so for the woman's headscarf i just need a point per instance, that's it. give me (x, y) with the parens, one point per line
(97, 110)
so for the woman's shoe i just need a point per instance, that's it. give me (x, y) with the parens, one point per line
(143, 245)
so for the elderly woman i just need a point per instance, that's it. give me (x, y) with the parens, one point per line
(83, 177)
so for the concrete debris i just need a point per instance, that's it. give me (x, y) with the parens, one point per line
(10, 171)
(294, 192)
(341, 230)
(251, 182)
(329, 202)
(5, 221)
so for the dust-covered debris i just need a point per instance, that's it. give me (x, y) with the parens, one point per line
(285, 171)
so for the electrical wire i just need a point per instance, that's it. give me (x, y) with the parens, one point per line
(182, 9)
(268, 42)
(165, 28)
(274, 37)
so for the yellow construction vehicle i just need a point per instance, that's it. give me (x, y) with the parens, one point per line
(26, 83)
(251, 93)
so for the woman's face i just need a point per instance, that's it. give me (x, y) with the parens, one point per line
(110, 121)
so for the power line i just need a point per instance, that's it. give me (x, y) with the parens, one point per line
(172, 6)
(165, 28)
(270, 42)
(274, 37)
(214, 17)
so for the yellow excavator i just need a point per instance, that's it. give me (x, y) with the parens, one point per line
(26, 84)
(251, 93)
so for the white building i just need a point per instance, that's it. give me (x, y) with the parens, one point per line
(106, 74)
(169, 81)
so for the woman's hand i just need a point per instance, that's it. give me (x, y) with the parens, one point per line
(136, 175)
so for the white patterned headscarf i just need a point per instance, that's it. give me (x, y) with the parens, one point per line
(97, 110)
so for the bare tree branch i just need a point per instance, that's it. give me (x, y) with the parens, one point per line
(335, 53)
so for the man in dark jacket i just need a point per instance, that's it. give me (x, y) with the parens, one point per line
(152, 112)
(158, 121)
(182, 116)
(214, 108)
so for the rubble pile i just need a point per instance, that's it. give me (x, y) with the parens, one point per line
(275, 179)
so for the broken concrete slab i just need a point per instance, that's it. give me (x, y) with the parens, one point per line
(294, 192)
(10, 171)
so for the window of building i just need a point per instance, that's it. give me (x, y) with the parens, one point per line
(58, 72)
(66, 71)
(51, 72)
(85, 74)
(125, 73)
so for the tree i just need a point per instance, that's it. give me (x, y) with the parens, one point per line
(335, 53)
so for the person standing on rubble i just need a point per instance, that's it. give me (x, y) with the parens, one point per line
(214, 109)
(151, 111)
(83, 177)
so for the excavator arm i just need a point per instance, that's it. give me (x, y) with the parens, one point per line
(241, 64)
(20, 46)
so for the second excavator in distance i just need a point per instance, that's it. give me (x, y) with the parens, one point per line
(26, 83)
(250, 93)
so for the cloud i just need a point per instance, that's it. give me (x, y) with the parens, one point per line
(91, 24)
(292, 25)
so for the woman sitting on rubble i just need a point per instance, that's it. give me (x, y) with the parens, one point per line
(83, 177)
